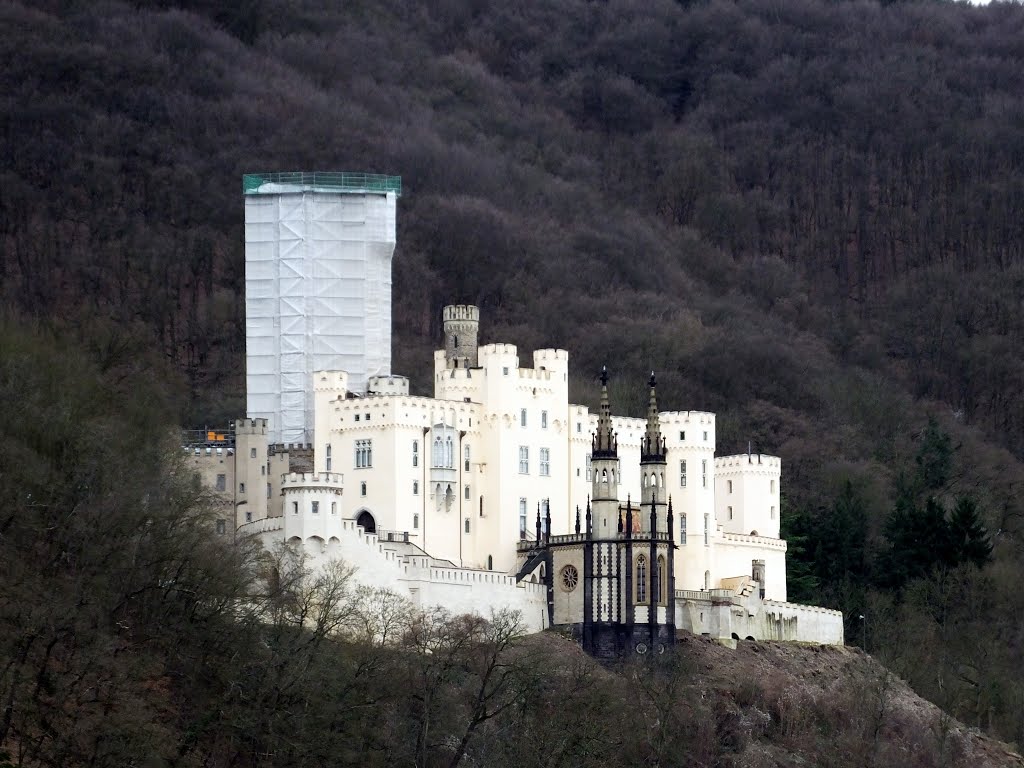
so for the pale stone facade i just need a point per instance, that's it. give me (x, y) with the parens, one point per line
(432, 496)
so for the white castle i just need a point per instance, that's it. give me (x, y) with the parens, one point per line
(475, 499)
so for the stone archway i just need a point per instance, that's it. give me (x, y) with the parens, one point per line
(367, 522)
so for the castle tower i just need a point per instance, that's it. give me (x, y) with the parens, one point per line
(318, 252)
(604, 456)
(653, 453)
(461, 335)
(250, 470)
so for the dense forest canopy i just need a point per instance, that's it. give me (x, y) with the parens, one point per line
(805, 215)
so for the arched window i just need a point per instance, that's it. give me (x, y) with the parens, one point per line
(662, 581)
(490, 563)
(448, 460)
(437, 455)
(641, 579)
(465, 456)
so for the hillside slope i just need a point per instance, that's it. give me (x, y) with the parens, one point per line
(803, 214)
(786, 704)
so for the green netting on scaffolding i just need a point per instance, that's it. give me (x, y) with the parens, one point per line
(273, 183)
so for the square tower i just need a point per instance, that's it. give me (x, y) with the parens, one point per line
(318, 250)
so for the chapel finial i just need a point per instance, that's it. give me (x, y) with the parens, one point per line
(604, 439)
(653, 445)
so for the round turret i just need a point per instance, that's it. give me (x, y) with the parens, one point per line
(461, 335)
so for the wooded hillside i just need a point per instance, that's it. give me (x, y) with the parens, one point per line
(805, 215)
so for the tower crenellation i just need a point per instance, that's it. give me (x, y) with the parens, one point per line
(461, 335)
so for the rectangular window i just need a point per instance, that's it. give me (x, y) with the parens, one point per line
(466, 494)
(773, 512)
(682, 436)
(241, 487)
(543, 419)
(222, 482)
(252, 453)
(416, 521)
(545, 462)
(682, 473)
(704, 471)
(524, 460)
(327, 453)
(315, 507)
(682, 528)
(730, 513)
(263, 470)
(248, 517)
(522, 517)
(362, 488)
(522, 417)
(504, 371)
(579, 427)
(467, 525)
(771, 486)
(328, 467)
(589, 468)
(364, 454)
(415, 488)
(221, 527)
(295, 507)
(334, 507)
(730, 485)
(705, 437)
(268, 490)
(415, 453)
(465, 457)
(707, 530)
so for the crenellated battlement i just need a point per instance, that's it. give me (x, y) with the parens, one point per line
(771, 606)
(250, 426)
(552, 359)
(264, 525)
(305, 480)
(394, 410)
(330, 381)
(748, 461)
(499, 350)
(292, 448)
(387, 385)
(457, 312)
(213, 451)
(754, 541)
(684, 418)
(535, 374)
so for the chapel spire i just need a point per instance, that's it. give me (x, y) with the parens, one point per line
(653, 447)
(605, 440)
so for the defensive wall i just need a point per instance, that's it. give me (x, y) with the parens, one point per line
(417, 577)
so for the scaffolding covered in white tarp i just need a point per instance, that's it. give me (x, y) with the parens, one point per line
(317, 290)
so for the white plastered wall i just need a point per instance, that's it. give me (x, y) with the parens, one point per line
(748, 486)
